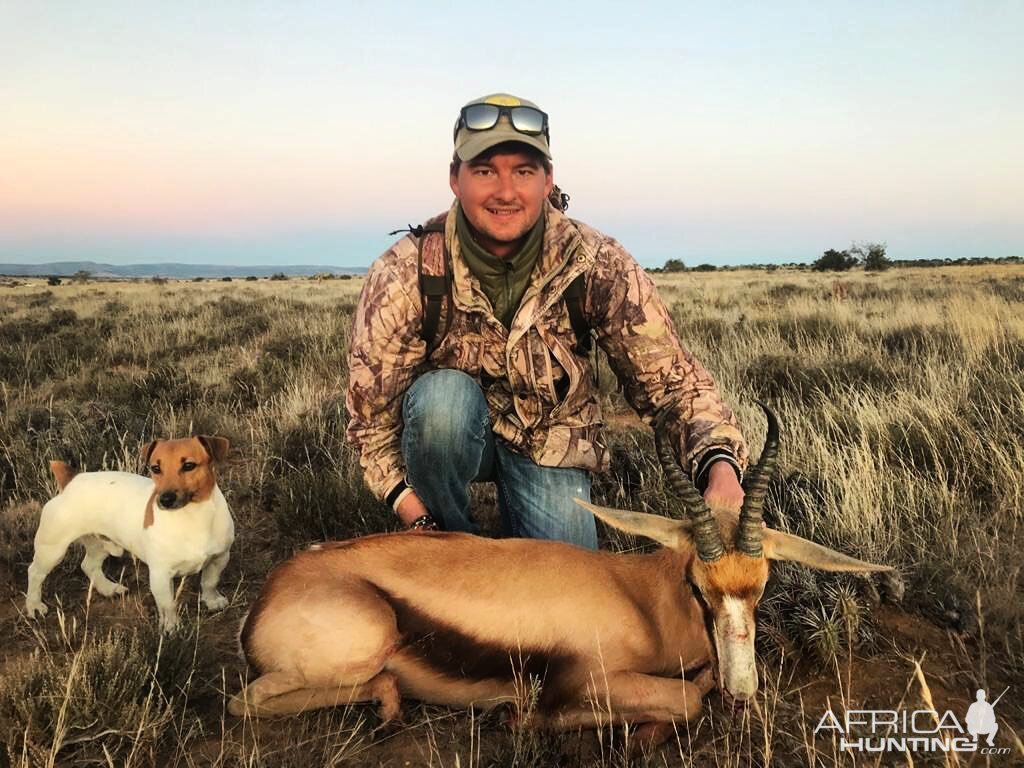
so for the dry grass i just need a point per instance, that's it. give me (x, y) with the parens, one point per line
(902, 407)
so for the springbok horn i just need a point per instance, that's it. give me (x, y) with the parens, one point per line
(749, 530)
(705, 533)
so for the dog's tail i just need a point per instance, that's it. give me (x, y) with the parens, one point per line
(63, 473)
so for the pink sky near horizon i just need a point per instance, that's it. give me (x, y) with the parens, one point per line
(737, 133)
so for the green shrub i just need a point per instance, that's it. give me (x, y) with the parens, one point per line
(872, 256)
(834, 261)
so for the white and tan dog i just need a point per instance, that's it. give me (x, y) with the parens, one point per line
(177, 522)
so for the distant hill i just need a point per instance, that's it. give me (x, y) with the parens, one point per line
(169, 269)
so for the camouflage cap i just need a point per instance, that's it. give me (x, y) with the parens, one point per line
(469, 144)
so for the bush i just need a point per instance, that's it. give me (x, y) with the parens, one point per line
(815, 612)
(53, 280)
(308, 505)
(41, 299)
(109, 695)
(279, 276)
(674, 265)
(834, 261)
(872, 256)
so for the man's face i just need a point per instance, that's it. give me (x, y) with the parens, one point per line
(502, 197)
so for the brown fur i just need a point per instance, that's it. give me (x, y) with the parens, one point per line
(170, 456)
(216, 447)
(466, 621)
(62, 473)
(454, 653)
(429, 610)
(147, 519)
(736, 574)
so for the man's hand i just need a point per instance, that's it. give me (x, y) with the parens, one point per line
(410, 509)
(724, 489)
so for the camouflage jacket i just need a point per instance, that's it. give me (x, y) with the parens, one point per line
(541, 395)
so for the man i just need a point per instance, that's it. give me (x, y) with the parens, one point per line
(493, 382)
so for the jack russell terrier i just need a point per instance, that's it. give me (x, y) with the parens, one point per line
(177, 522)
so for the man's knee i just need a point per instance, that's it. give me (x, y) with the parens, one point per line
(444, 406)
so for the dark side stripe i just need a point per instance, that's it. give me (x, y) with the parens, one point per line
(454, 653)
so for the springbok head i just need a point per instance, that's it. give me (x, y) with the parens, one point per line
(730, 568)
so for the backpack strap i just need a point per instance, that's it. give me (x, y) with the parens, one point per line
(433, 288)
(580, 327)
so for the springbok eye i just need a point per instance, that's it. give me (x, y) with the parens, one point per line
(155, 469)
(188, 466)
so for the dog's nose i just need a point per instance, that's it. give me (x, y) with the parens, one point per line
(167, 499)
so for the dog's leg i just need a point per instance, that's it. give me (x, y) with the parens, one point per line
(113, 550)
(161, 584)
(96, 551)
(47, 556)
(213, 599)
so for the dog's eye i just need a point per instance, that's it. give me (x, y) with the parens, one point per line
(188, 466)
(155, 469)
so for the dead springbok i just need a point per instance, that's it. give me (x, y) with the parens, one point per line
(460, 620)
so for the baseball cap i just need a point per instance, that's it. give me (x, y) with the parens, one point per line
(497, 118)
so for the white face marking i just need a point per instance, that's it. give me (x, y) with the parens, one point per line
(734, 639)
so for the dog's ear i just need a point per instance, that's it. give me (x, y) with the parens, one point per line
(145, 452)
(216, 446)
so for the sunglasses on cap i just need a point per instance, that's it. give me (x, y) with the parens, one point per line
(483, 117)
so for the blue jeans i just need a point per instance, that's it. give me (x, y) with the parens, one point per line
(447, 443)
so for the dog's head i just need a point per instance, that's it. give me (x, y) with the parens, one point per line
(182, 470)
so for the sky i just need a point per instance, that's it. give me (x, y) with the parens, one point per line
(303, 132)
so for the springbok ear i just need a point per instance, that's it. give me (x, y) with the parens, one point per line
(146, 451)
(786, 546)
(663, 530)
(216, 446)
